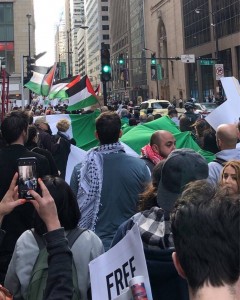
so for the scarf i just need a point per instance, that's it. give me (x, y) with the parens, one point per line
(155, 228)
(90, 183)
(148, 152)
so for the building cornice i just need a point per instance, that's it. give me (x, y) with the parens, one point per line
(156, 7)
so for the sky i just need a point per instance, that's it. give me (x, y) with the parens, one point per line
(47, 16)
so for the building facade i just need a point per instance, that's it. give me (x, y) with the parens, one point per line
(15, 28)
(97, 19)
(211, 30)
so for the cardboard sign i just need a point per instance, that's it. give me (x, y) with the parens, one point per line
(111, 272)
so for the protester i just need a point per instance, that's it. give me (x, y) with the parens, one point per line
(205, 228)
(64, 149)
(108, 182)
(230, 177)
(20, 267)
(173, 115)
(15, 130)
(162, 143)
(154, 224)
(226, 137)
(46, 140)
(59, 280)
(32, 145)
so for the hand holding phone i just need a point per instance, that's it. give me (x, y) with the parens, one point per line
(27, 180)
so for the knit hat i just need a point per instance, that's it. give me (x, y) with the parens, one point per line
(181, 167)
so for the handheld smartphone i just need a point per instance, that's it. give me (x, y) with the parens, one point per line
(27, 176)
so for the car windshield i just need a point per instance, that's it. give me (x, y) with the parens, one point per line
(160, 105)
(210, 105)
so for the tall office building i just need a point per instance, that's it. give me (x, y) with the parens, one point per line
(75, 18)
(15, 30)
(97, 19)
(128, 39)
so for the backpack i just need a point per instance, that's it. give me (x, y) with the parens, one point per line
(220, 161)
(38, 280)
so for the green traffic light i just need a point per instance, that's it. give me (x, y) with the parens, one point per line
(121, 61)
(106, 69)
(153, 61)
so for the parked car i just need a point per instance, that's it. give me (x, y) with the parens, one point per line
(153, 106)
(210, 106)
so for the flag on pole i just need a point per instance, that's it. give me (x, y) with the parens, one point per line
(35, 83)
(58, 90)
(81, 94)
(48, 80)
(41, 81)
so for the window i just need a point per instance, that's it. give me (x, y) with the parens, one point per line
(7, 36)
(105, 27)
(104, 8)
(106, 37)
(104, 0)
(104, 18)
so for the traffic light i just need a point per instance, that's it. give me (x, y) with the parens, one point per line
(120, 59)
(105, 63)
(30, 66)
(153, 58)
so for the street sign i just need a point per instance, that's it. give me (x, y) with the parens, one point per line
(207, 62)
(188, 58)
(219, 71)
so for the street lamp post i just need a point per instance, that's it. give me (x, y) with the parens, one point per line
(215, 32)
(29, 47)
(68, 47)
(146, 49)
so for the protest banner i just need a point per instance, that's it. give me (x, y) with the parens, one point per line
(229, 111)
(111, 272)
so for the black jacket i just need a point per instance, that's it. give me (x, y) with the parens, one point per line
(61, 155)
(20, 219)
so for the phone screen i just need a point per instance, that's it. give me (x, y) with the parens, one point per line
(27, 177)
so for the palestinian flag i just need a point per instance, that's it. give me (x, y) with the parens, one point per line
(48, 80)
(41, 81)
(35, 83)
(58, 90)
(81, 94)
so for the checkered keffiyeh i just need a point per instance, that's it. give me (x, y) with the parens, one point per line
(90, 183)
(155, 228)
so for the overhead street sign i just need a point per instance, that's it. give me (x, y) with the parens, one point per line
(207, 62)
(188, 58)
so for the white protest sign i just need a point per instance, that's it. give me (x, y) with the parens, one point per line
(110, 272)
(229, 111)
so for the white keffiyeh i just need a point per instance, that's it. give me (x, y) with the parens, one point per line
(90, 183)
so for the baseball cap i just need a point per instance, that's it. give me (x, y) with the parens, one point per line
(181, 167)
(40, 120)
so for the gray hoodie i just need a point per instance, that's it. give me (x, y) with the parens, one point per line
(215, 168)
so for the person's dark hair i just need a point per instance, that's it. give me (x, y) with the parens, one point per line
(172, 111)
(66, 203)
(209, 142)
(2, 141)
(32, 133)
(132, 122)
(185, 124)
(148, 198)
(108, 126)
(205, 228)
(157, 116)
(13, 125)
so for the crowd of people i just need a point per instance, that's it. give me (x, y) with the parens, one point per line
(187, 210)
